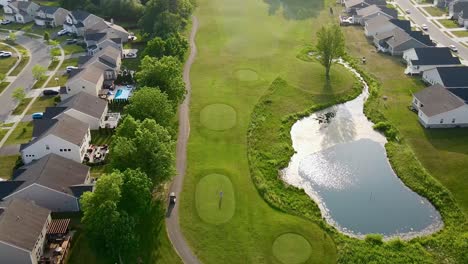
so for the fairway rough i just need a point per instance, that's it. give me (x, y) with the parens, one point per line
(218, 117)
(246, 75)
(291, 248)
(215, 199)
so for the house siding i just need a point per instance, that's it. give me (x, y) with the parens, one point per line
(432, 77)
(76, 85)
(14, 255)
(445, 120)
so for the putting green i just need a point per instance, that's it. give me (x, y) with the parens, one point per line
(291, 248)
(211, 207)
(246, 75)
(218, 117)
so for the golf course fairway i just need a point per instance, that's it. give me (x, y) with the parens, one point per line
(242, 47)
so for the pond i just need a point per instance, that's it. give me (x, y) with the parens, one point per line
(341, 162)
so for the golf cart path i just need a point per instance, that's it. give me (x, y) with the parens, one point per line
(172, 219)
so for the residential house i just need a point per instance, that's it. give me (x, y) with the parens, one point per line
(86, 108)
(423, 59)
(20, 11)
(442, 3)
(64, 135)
(438, 107)
(449, 77)
(381, 24)
(78, 21)
(111, 30)
(463, 17)
(455, 7)
(50, 16)
(23, 229)
(367, 13)
(52, 182)
(398, 40)
(94, 73)
(352, 5)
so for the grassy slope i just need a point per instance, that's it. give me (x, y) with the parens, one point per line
(237, 35)
(443, 152)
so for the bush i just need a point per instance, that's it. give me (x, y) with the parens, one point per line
(389, 130)
(375, 239)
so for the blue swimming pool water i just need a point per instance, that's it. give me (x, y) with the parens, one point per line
(122, 93)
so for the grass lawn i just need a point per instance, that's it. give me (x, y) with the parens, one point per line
(101, 137)
(242, 47)
(62, 80)
(21, 134)
(72, 49)
(448, 23)
(41, 103)
(7, 63)
(68, 62)
(20, 66)
(53, 65)
(3, 85)
(39, 83)
(7, 163)
(20, 107)
(434, 11)
(461, 33)
(444, 152)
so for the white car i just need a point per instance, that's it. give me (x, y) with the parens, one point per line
(424, 27)
(5, 22)
(70, 68)
(5, 54)
(453, 48)
(62, 32)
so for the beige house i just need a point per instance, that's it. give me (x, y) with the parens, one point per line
(20, 11)
(50, 16)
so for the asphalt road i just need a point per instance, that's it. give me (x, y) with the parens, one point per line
(172, 217)
(39, 54)
(436, 34)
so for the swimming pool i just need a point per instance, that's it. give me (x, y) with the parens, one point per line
(123, 93)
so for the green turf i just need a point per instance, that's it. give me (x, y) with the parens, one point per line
(6, 166)
(291, 248)
(24, 61)
(461, 33)
(20, 107)
(448, 23)
(218, 117)
(7, 63)
(21, 134)
(215, 199)
(3, 85)
(435, 11)
(265, 38)
(246, 75)
(41, 103)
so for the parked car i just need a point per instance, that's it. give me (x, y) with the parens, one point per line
(5, 54)
(72, 41)
(172, 198)
(424, 27)
(50, 92)
(37, 115)
(5, 22)
(70, 68)
(453, 48)
(62, 32)
(408, 11)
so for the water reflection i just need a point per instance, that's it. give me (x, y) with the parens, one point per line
(295, 9)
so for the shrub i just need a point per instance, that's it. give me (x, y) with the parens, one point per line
(375, 239)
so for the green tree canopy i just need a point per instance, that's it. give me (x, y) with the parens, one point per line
(151, 103)
(165, 73)
(175, 45)
(330, 46)
(19, 94)
(38, 72)
(145, 145)
(164, 17)
(46, 36)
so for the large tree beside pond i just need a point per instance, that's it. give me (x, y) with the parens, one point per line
(330, 46)
(165, 73)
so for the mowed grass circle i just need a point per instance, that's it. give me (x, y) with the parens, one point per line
(211, 207)
(246, 75)
(218, 117)
(291, 248)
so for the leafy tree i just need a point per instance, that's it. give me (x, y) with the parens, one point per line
(165, 73)
(155, 48)
(55, 53)
(12, 36)
(330, 46)
(163, 17)
(46, 36)
(175, 45)
(144, 145)
(136, 193)
(38, 72)
(151, 103)
(19, 94)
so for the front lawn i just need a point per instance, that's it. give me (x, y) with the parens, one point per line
(461, 33)
(20, 107)
(21, 65)
(39, 83)
(434, 11)
(68, 62)
(448, 23)
(62, 80)
(7, 63)
(21, 134)
(7, 163)
(41, 103)
(72, 49)
(3, 85)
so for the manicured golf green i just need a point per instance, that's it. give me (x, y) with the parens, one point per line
(215, 199)
(291, 248)
(243, 45)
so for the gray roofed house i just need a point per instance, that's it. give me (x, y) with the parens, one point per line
(20, 11)
(450, 77)
(353, 5)
(51, 182)
(463, 17)
(23, 228)
(372, 11)
(423, 59)
(455, 7)
(398, 40)
(50, 16)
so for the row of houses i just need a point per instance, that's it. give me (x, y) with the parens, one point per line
(53, 177)
(444, 103)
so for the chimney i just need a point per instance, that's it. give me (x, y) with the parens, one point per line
(112, 21)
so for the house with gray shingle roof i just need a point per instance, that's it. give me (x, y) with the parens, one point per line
(419, 60)
(50, 16)
(23, 229)
(439, 107)
(369, 12)
(20, 11)
(398, 40)
(455, 7)
(64, 135)
(52, 182)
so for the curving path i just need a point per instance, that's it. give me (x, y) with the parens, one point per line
(172, 219)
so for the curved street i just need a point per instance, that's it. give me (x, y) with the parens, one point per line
(172, 218)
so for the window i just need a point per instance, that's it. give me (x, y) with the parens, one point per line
(47, 147)
(442, 121)
(83, 87)
(61, 150)
(69, 149)
(453, 120)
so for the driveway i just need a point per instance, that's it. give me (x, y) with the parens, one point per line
(436, 34)
(39, 54)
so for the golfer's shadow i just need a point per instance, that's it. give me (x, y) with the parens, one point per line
(169, 210)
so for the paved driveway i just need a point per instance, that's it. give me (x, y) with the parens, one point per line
(39, 55)
(436, 34)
